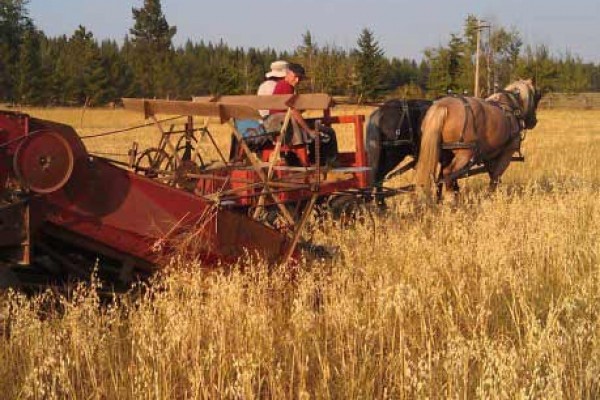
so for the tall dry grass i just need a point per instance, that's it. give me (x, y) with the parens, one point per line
(496, 298)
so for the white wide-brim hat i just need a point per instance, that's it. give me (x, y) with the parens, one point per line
(278, 69)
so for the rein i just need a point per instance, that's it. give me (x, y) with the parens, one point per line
(411, 134)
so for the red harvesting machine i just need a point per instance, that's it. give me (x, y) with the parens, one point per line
(63, 211)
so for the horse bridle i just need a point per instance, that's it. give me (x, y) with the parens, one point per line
(518, 108)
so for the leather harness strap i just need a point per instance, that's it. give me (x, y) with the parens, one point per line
(513, 109)
(461, 144)
(405, 114)
(468, 109)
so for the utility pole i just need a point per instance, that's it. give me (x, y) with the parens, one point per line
(481, 25)
(491, 73)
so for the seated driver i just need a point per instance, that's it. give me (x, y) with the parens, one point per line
(300, 132)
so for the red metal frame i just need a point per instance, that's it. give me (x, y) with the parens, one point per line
(242, 177)
(125, 216)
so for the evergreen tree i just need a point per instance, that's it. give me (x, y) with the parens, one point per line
(332, 71)
(254, 66)
(456, 64)
(76, 70)
(224, 76)
(506, 47)
(118, 73)
(594, 78)
(539, 65)
(438, 78)
(573, 77)
(30, 77)
(153, 49)
(400, 73)
(55, 60)
(14, 22)
(466, 74)
(96, 80)
(81, 52)
(307, 53)
(369, 66)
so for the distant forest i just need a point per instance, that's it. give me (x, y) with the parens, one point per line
(79, 70)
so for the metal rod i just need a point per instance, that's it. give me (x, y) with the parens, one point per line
(274, 156)
(259, 171)
(305, 214)
(210, 136)
(318, 154)
(167, 139)
(26, 244)
(128, 129)
(285, 185)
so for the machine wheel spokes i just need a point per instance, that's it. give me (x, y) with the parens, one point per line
(154, 163)
(185, 147)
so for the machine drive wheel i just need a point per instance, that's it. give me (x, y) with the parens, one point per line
(348, 209)
(44, 162)
(153, 163)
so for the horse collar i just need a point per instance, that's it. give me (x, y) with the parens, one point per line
(514, 104)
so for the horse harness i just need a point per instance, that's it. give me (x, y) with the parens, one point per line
(461, 144)
(511, 110)
(405, 114)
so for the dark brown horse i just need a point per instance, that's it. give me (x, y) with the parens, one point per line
(393, 133)
(462, 132)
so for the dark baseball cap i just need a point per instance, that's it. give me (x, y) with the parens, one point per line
(298, 70)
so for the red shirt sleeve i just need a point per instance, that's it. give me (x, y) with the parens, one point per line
(282, 87)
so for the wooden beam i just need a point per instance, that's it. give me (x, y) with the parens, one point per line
(315, 101)
(175, 107)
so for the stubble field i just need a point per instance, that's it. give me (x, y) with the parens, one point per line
(498, 297)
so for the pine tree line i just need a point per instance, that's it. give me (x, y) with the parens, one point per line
(80, 70)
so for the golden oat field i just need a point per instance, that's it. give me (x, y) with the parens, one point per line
(496, 297)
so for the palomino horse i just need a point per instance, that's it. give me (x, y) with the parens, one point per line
(461, 132)
(393, 133)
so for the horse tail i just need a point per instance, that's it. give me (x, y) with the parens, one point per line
(429, 154)
(373, 145)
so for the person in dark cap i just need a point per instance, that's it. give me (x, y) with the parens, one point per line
(302, 133)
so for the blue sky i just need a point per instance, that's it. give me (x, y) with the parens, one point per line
(403, 28)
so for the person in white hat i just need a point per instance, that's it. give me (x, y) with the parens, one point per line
(278, 72)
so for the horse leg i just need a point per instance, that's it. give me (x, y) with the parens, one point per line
(440, 186)
(460, 160)
(500, 164)
(380, 198)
